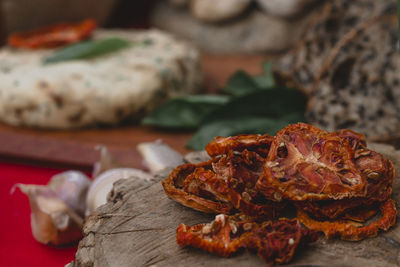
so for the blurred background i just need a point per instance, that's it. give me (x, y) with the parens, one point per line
(259, 65)
(231, 26)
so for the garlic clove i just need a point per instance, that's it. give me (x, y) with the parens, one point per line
(158, 156)
(102, 185)
(52, 221)
(71, 187)
(106, 162)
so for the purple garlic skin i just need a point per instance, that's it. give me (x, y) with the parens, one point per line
(57, 209)
(71, 187)
(52, 221)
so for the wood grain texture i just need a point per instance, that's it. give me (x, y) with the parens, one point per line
(75, 148)
(137, 228)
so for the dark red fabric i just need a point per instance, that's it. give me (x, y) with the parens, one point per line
(17, 245)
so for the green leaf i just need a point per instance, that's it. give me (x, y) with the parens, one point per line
(88, 49)
(267, 79)
(184, 112)
(240, 84)
(274, 102)
(206, 99)
(264, 111)
(240, 125)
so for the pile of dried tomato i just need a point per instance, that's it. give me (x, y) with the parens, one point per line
(332, 179)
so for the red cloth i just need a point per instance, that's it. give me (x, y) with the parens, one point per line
(17, 245)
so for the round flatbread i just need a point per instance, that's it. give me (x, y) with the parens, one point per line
(101, 90)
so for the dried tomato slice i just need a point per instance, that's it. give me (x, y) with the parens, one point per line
(204, 183)
(251, 142)
(306, 163)
(274, 241)
(355, 139)
(349, 230)
(362, 213)
(53, 36)
(174, 188)
(277, 241)
(241, 172)
(378, 172)
(332, 209)
(224, 236)
(222, 185)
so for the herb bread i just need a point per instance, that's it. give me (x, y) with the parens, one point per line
(358, 86)
(325, 31)
(102, 90)
(348, 64)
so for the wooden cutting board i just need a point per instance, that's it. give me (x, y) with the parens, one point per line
(75, 148)
(137, 228)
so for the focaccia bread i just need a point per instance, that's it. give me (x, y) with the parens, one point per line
(102, 90)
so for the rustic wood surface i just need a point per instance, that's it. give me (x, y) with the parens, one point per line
(75, 148)
(137, 228)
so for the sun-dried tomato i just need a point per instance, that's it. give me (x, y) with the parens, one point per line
(333, 179)
(226, 182)
(349, 230)
(53, 36)
(274, 241)
(224, 236)
(332, 209)
(173, 187)
(306, 163)
(251, 142)
(277, 241)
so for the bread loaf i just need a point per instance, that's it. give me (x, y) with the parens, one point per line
(348, 64)
(335, 19)
(358, 86)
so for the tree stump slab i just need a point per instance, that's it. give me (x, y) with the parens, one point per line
(137, 228)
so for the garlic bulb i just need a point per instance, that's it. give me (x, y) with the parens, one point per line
(52, 221)
(158, 156)
(102, 185)
(216, 11)
(57, 209)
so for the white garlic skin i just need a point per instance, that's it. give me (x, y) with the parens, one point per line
(72, 187)
(102, 185)
(158, 156)
(106, 161)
